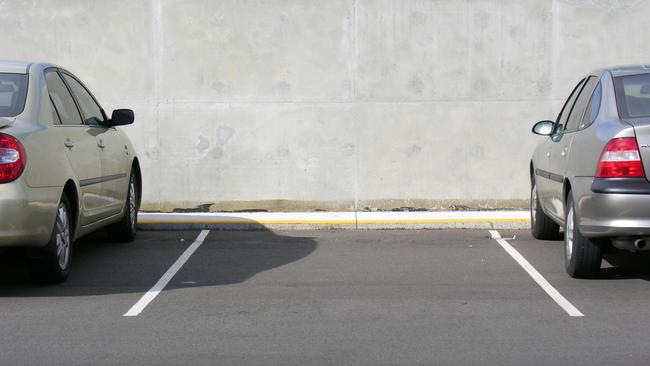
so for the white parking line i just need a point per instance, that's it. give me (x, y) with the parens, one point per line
(541, 281)
(164, 280)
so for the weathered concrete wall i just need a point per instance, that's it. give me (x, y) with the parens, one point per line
(337, 104)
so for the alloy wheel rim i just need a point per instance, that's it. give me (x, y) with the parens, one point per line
(62, 237)
(132, 204)
(569, 234)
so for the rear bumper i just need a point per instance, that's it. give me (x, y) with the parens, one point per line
(27, 214)
(622, 212)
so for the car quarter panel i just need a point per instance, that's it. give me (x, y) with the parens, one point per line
(47, 165)
(588, 145)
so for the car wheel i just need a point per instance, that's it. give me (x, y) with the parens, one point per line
(52, 264)
(582, 255)
(542, 226)
(125, 229)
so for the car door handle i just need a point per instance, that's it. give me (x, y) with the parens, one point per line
(564, 151)
(100, 143)
(69, 144)
(548, 154)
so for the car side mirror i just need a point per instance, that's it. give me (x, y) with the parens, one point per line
(544, 128)
(121, 117)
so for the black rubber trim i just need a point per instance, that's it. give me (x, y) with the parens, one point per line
(548, 175)
(621, 185)
(91, 181)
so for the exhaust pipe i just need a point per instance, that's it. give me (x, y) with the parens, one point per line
(640, 244)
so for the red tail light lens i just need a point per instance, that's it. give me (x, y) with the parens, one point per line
(620, 159)
(12, 158)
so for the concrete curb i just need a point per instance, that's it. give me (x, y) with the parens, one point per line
(335, 220)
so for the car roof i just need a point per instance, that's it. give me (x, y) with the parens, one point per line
(628, 70)
(21, 67)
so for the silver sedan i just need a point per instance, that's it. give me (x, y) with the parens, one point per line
(65, 167)
(589, 174)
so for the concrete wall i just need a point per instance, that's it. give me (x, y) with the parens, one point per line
(330, 104)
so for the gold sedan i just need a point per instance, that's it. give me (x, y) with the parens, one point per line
(66, 169)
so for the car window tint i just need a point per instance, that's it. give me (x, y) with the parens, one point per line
(91, 111)
(633, 95)
(592, 108)
(62, 99)
(581, 104)
(13, 94)
(564, 114)
(55, 115)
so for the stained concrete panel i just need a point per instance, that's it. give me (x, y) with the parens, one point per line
(254, 152)
(256, 49)
(447, 50)
(105, 43)
(446, 150)
(597, 33)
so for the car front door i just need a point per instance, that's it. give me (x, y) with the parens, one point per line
(562, 143)
(544, 177)
(80, 146)
(112, 152)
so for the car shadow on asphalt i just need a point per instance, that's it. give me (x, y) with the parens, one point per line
(101, 266)
(626, 265)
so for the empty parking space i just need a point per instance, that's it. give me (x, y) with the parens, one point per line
(619, 291)
(323, 297)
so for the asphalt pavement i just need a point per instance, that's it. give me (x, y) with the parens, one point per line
(376, 297)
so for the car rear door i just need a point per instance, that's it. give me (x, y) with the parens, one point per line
(112, 154)
(80, 146)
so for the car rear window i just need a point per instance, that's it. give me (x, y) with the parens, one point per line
(13, 93)
(633, 95)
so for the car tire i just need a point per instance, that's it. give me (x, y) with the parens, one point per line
(52, 263)
(125, 229)
(583, 255)
(542, 226)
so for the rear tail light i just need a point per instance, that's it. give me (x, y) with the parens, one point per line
(12, 158)
(620, 159)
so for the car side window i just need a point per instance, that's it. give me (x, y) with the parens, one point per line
(592, 108)
(581, 104)
(566, 109)
(60, 97)
(55, 115)
(91, 111)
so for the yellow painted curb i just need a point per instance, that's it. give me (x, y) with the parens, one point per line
(326, 222)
